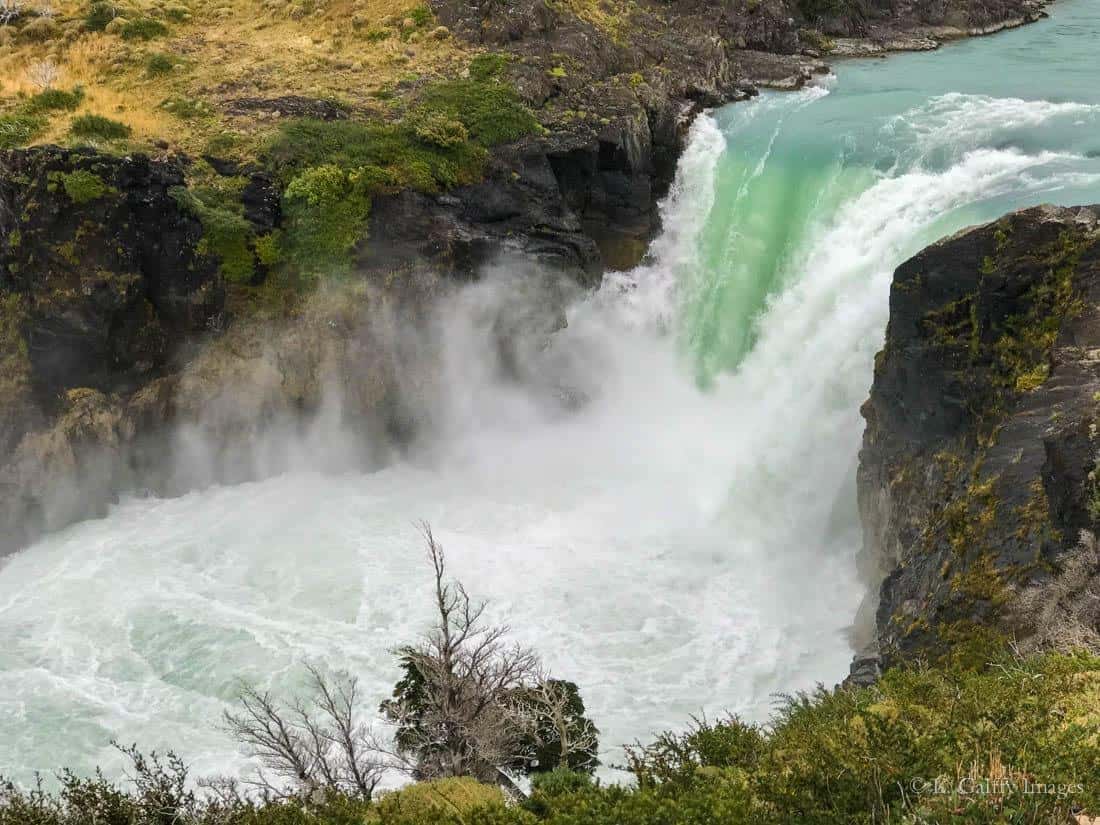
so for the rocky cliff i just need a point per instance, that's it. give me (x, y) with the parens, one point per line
(977, 478)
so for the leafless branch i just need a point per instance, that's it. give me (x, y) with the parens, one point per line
(321, 744)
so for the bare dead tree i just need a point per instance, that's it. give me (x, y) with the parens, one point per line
(319, 745)
(43, 74)
(561, 735)
(457, 711)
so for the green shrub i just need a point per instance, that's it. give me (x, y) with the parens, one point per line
(144, 28)
(97, 127)
(390, 155)
(873, 754)
(19, 129)
(178, 14)
(1016, 742)
(52, 100)
(436, 129)
(489, 66)
(99, 15)
(491, 112)
(81, 185)
(226, 235)
(421, 15)
(326, 210)
(159, 64)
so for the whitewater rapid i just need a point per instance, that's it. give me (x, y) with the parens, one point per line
(683, 543)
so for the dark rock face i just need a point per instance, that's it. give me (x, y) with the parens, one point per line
(110, 272)
(976, 472)
(102, 286)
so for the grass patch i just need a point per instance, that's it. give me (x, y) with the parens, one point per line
(98, 127)
(20, 128)
(186, 108)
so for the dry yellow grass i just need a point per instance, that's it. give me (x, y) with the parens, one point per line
(344, 49)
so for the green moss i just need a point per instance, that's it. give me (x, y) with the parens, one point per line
(557, 71)
(817, 40)
(1033, 517)
(226, 235)
(81, 185)
(15, 368)
(1022, 352)
(968, 518)
(15, 238)
(97, 127)
(326, 210)
(144, 28)
(982, 580)
(67, 251)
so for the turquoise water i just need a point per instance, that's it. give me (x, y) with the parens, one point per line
(685, 542)
(1019, 110)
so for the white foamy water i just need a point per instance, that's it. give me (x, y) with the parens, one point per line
(682, 543)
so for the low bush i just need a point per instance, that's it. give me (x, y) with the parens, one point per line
(1017, 741)
(326, 210)
(488, 66)
(98, 127)
(491, 111)
(393, 154)
(99, 16)
(52, 100)
(159, 64)
(144, 28)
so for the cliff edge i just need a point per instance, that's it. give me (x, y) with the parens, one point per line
(978, 487)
